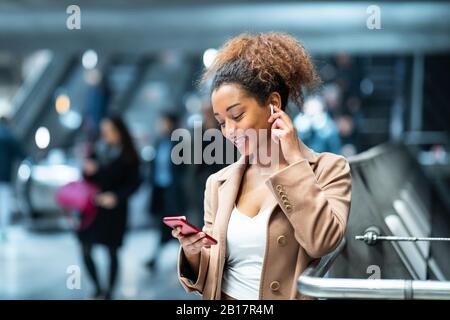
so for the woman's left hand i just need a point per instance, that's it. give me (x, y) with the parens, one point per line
(90, 167)
(107, 200)
(284, 132)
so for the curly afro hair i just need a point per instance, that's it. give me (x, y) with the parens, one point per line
(264, 63)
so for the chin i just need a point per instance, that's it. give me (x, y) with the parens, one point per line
(248, 150)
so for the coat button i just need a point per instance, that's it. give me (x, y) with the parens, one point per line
(288, 207)
(282, 241)
(284, 197)
(274, 286)
(279, 187)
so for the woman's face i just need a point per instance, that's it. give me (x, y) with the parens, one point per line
(109, 132)
(236, 112)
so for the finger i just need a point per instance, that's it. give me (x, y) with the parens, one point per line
(197, 245)
(273, 117)
(284, 116)
(279, 124)
(277, 109)
(280, 133)
(177, 233)
(194, 238)
(200, 243)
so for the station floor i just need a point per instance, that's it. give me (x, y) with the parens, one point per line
(35, 265)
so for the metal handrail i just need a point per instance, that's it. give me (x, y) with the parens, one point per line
(312, 283)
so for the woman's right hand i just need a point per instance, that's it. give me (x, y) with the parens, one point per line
(191, 244)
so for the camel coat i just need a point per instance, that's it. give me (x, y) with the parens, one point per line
(309, 212)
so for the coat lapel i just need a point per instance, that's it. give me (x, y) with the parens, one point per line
(227, 192)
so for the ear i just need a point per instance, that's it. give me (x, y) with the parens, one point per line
(275, 100)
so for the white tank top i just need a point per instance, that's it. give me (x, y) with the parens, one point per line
(246, 244)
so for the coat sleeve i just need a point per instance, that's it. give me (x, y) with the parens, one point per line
(317, 206)
(131, 183)
(100, 175)
(190, 280)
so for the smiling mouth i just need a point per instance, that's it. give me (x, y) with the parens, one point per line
(238, 142)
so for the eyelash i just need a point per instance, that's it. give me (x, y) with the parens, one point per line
(234, 118)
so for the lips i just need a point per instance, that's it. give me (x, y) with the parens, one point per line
(239, 142)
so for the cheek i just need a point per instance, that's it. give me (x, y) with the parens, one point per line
(259, 118)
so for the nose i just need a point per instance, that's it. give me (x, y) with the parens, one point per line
(230, 130)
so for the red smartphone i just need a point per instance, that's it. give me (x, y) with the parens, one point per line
(186, 227)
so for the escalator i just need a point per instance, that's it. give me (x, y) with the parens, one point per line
(397, 241)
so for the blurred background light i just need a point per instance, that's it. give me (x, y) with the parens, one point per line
(193, 103)
(42, 137)
(62, 104)
(194, 120)
(24, 171)
(208, 57)
(367, 86)
(71, 119)
(5, 106)
(89, 59)
(148, 153)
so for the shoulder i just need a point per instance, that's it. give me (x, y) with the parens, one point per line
(330, 166)
(331, 160)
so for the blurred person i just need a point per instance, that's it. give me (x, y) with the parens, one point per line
(353, 107)
(201, 171)
(332, 96)
(348, 75)
(166, 179)
(348, 133)
(10, 151)
(97, 102)
(316, 128)
(269, 226)
(114, 168)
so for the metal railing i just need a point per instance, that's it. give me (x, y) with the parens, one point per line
(312, 283)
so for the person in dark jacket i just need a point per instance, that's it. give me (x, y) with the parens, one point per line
(114, 168)
(166, 178)
(10, 151)
(97, 103)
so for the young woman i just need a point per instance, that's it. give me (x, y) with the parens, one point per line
(271, 220)
(114, 168)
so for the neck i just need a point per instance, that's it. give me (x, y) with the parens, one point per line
(270, 161)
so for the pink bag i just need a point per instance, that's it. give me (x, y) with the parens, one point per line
(79, 196)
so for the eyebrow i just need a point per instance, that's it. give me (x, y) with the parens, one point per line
(228, 108)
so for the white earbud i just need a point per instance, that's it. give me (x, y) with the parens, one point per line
(275, 138)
